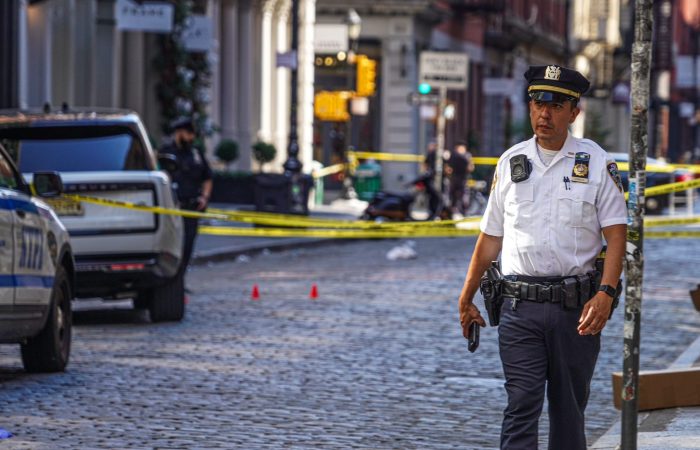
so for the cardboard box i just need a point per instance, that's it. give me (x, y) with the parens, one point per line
(660, 389)
(695, 296)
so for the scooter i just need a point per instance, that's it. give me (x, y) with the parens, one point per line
(400, 206)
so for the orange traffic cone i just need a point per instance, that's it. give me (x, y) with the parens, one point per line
(313, 295)
(255, 295)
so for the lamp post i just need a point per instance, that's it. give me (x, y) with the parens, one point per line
(354, 23)
(292, 166)
(298, 183)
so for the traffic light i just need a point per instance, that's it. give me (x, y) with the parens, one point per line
(366, 76)
(332, 106)
(424, 88)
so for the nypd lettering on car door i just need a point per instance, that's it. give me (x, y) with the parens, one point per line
(33, 268)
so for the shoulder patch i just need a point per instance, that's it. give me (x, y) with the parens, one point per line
(615, 175)
(495, 179)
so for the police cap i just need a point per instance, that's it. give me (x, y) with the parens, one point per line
(183, 123)
(555, 83)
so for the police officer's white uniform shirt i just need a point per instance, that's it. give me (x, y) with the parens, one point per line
(549, 227)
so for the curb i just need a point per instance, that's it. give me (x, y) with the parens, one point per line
(227, 253)
(611, 438)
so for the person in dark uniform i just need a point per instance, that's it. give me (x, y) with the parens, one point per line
(552, 196)
(460, 165)
(429, 161)
(192, 180)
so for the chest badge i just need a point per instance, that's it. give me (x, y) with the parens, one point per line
(580, 172)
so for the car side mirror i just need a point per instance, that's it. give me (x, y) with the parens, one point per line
(47, 184)
(168, 163)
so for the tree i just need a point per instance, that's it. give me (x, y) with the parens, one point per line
(263, 153)
(227, 151)
(184, 76)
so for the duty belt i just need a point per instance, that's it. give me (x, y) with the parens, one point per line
(572, 291)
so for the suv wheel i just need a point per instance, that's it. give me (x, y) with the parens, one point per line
(165, 303)
(50, 349)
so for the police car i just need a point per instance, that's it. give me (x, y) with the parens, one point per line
(36, 270)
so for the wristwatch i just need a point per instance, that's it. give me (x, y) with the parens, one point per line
(611, 291)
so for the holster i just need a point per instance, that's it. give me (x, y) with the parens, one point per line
(571, 296)
(490, 287)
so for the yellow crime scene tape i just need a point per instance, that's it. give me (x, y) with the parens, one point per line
(339, 234)
(689, 234)
(668, 188)
(272, 219)
(397, 234)
(290, 220)
(330, 170)
(405, 157)
(352, 229)
(671, 221)
(490, 160)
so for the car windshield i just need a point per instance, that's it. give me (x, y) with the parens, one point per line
(74, 149)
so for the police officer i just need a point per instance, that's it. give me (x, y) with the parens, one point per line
(460, 166)
(192, 180)
(552, 197)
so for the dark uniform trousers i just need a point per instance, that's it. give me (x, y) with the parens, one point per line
(540, 347)
(190, 226)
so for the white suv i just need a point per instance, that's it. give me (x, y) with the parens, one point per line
(36, 271)
(119, 253)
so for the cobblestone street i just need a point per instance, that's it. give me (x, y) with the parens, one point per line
(377, 361)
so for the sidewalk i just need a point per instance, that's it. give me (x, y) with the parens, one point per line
(217, 248)
(664, 429)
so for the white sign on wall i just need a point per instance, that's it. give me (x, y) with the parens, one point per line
(153, 17)
(443, 69)
(330, 39)
(287, 59)
(198, 34)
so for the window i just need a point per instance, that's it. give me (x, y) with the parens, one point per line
(75, 148)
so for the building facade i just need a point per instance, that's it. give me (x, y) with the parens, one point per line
(75, 52)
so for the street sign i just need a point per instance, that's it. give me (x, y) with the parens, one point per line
(415, 99)
(444, 70)
(155, 17)
(198, 33)
(330, 39)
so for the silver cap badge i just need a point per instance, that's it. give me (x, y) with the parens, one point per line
(552, 73)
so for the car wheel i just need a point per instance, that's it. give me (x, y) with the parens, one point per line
(50, 349)
(166, 303)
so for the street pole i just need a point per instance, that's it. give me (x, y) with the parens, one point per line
(354, 22)
(292, 166)
(440, 139)
(634, 261)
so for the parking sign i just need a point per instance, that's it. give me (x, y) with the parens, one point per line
(444, 69)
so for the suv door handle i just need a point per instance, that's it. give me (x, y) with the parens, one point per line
(21, 213)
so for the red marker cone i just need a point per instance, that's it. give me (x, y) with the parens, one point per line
(255, 295)
(313, 295)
